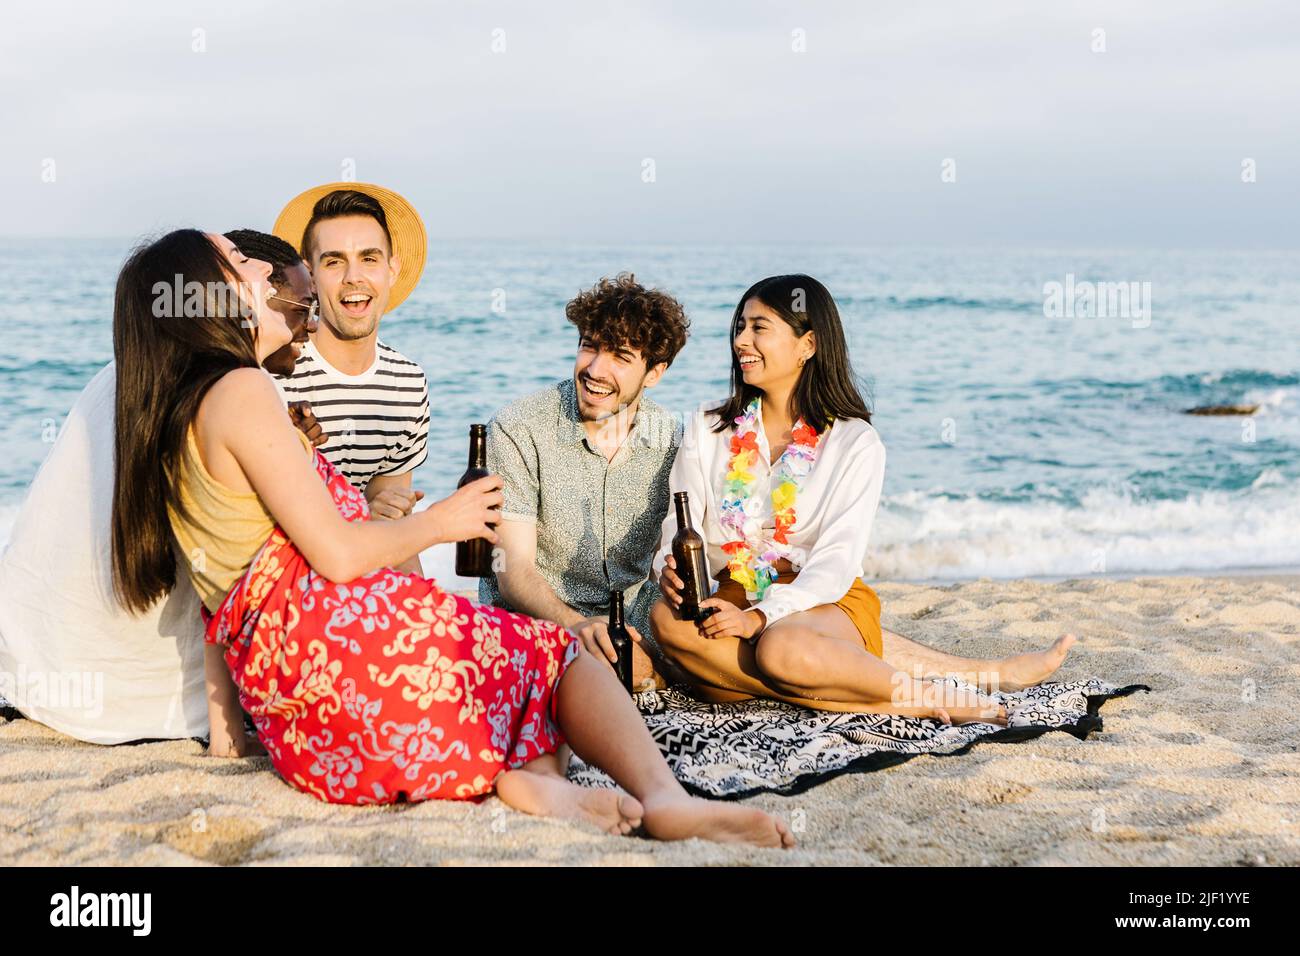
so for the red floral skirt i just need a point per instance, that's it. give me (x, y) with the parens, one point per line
(386, 688)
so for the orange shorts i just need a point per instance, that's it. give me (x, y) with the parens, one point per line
(861, 604)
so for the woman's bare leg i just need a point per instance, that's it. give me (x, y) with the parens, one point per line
(604, 728)
(988, 674)
(815, 659)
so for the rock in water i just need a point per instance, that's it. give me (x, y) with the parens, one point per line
(1222, 410)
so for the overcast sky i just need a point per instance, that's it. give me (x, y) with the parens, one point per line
(1053, 143)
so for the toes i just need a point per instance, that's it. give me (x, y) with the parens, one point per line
(784, 838)
(621, 827)
(630, 809)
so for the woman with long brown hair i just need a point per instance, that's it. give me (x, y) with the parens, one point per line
(784, 477)
(365, 685)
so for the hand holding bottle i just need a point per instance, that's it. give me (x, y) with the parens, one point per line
(670, 585)
(724, 619)
(468, 513)
(474, 551)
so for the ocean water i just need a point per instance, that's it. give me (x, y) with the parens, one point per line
(1019, 444)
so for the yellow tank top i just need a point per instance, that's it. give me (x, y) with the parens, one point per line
(224, 530)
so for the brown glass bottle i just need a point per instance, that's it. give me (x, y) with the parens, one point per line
(621, 639)
(474, 557)
(691, 556)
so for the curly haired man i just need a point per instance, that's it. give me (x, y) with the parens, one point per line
(585, 464)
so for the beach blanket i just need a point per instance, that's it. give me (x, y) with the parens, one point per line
(730, 751)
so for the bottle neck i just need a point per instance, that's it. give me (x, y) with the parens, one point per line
(684, 514)
(616, 608)
(477, 450)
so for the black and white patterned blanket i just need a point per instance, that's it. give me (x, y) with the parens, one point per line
(730, 751)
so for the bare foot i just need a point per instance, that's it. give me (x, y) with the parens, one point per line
(680, 817)
(1026, 670)
(553, 765)
(548, 795)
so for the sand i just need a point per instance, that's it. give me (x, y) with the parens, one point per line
(1203, 770)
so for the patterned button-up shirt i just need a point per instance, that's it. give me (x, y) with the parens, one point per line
(598, 521)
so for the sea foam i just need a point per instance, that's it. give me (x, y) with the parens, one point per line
(918, 535)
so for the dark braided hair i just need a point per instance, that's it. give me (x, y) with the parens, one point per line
(268, 248)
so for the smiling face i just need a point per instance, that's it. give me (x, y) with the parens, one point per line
(354, 272)
(767, 348)
(270, 330)
(610, 379)
(297, 286)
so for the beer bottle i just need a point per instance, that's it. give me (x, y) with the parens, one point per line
(621, 640)
(691, 557)
(474, 557)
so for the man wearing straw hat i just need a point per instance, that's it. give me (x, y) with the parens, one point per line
(365, 246)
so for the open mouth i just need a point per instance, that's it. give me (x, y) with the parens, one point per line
(748, 362)
(596, 393)
(356, 303)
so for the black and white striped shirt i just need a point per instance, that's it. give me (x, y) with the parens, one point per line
(377, 422)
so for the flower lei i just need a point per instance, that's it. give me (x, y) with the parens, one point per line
(751, 554)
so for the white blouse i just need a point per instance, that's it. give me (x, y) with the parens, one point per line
(834, 509)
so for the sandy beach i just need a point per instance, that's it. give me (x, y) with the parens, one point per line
(1204, 770)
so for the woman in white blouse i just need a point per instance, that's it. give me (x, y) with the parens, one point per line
(784, 478)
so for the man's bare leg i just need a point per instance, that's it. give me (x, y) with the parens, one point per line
(651, 667)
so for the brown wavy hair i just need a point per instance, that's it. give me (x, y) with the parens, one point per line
(621, 313)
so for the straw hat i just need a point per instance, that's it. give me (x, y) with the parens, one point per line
(410, 244)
